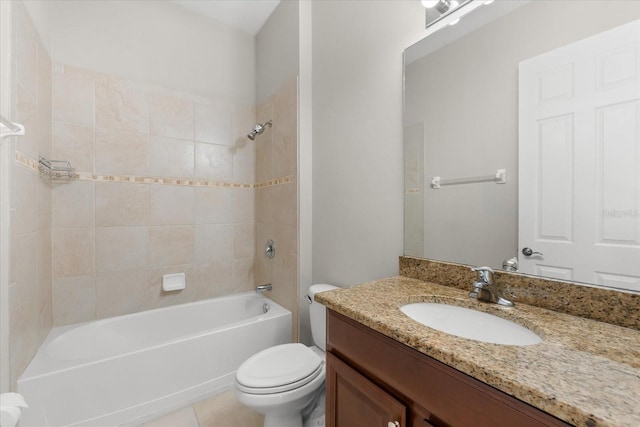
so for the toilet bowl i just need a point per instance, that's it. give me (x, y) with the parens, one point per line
(286, 381)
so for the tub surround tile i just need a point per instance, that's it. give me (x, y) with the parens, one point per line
(73, 251)
(44, 266)
(213, 206)
(244, 240)
(264, 266)
(27, 115)
(23, 274)
(586, 379)
(263, 144)
(284, 143)
(244, 160)
(122, 153)
(74, 144)
(276, 210)
(121, 248)
(121, 105)
(44, 211)
(74, 299)
(172, 116)
(212, 243)
(30, 256)
(23, 189)
(155, 297)
(26, 54)
(244, 150)
(170, 157)
(174, 186)
(213, 162)
(120, 293)
(213, 124)
(171, 205)
(284, 201)
(243, 275)
(284, 152)
(171, 245)
(604, 305)
(213, 279)
(73, 96)
(45, 88)
(23, 337)
(265, 205)
(73, 205)
(244, 206)
(119, 205)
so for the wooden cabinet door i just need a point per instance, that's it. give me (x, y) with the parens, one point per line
(354, 401)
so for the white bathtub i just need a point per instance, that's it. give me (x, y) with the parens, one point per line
(130, 368)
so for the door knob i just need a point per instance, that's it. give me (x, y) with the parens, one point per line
(529, 252)
(393, 424)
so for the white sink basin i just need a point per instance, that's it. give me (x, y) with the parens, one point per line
(471, 324)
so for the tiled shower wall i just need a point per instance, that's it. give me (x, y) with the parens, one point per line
(30, 311)
(277, 206)
(166, 187)
(168, 183)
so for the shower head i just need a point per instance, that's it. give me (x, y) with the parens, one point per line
(258, 129)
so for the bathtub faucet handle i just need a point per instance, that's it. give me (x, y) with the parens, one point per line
(263, 288)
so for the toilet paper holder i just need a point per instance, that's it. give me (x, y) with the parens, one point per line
(11, 406)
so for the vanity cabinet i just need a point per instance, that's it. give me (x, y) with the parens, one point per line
(374, 381)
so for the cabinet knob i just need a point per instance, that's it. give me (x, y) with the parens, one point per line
(393, 424)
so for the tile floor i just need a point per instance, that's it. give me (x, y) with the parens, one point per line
(222, 410)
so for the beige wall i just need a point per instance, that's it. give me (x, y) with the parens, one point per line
(277, 50)
(30, 308)
(357, 136)
(474, 81)
(113, 240)
(158, 42)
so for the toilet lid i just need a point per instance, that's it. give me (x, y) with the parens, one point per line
(291, 365)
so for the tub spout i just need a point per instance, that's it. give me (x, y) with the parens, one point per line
(263, 288)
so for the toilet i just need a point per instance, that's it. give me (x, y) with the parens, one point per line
(286, 382)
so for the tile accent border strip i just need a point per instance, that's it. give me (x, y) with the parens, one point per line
(29, 163)
(604, 305)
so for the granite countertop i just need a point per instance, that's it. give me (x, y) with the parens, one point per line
(585, 372)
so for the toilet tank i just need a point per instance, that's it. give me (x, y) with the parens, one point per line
(317, 314)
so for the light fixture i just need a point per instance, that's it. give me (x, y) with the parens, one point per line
(440, 13)
(454, 5)
(441, 6)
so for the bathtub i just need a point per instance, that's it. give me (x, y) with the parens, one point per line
(128, 369)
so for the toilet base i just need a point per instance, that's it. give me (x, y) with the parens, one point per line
(315, 422)
(283, 419)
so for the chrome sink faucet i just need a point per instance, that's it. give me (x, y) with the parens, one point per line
(485, 290)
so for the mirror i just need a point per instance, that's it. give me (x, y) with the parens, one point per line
(497, 86)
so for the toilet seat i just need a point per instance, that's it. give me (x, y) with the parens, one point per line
(279, 369)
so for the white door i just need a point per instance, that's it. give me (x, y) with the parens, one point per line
(579, 160)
